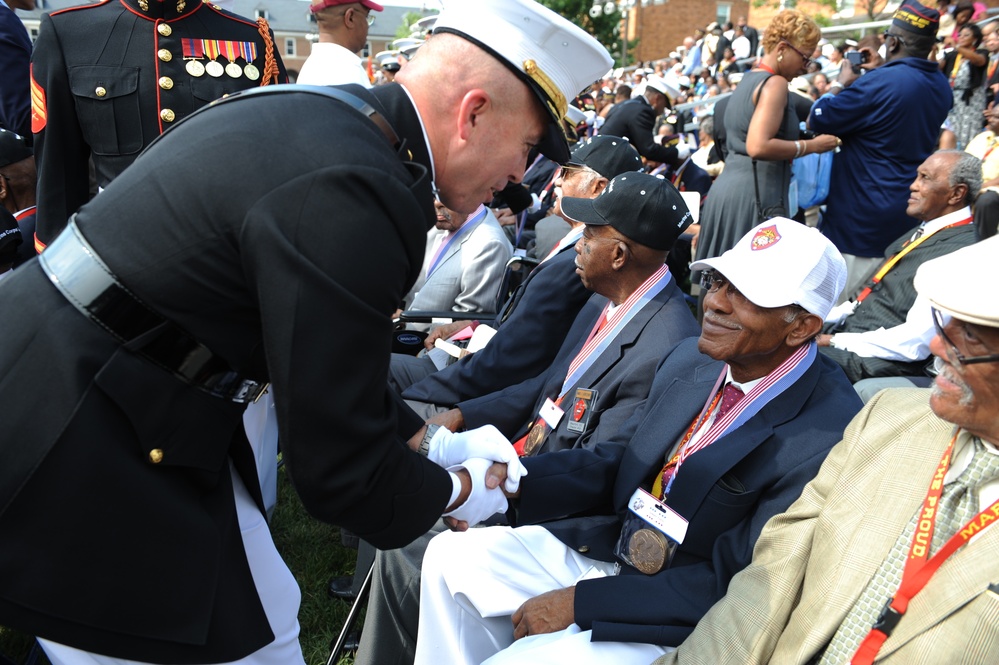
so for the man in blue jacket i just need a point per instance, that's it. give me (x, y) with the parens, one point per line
(889, 120)
(721, 463)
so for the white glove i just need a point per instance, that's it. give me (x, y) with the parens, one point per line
(482, 502)
(682, 150)
(448, 449)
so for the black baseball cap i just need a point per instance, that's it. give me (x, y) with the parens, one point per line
(642, 207)
(13, 148)
(609, 156)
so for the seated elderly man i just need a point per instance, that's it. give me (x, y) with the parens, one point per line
(604, 367)
(600, 376)
(533, 322)
(885, 331)
(735, 424)
(912, 487)
(464, 263)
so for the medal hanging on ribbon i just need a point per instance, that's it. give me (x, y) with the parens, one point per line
(194, 51)
(248, 50)
(231, 53)
(212, 52)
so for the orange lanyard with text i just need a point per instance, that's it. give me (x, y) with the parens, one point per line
(918, 570)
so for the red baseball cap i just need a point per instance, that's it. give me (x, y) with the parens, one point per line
(320, 5)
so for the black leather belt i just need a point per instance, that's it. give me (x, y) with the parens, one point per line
(87, 282)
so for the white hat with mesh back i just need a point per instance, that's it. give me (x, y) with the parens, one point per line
(554, 57)
(781, 262)
(943, 282)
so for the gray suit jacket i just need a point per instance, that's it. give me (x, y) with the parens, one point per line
(469, 273)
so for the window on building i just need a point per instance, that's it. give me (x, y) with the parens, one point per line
(262, 13)
(724, 13)
(290, 46)
(366, 51)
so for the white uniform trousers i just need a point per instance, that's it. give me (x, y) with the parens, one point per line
(474, 581)
(278, 590)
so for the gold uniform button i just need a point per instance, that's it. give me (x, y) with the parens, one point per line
(100, 91)
(583, 549)
(164, 29)
(167, 115)
(166, 82)
(164, 55)
(155, 455)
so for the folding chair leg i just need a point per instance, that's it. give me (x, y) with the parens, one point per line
(348, 624)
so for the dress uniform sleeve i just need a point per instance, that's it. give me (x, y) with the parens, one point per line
(61, 153)
(327, 255)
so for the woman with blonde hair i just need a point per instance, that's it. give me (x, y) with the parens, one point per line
(762, 138)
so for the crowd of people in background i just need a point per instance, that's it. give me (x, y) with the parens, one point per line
(735, 245)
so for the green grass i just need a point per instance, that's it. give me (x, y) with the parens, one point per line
(312, 551)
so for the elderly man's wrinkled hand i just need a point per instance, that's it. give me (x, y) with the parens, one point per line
(547, 613)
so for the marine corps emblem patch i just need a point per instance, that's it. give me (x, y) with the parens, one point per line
(765, 237)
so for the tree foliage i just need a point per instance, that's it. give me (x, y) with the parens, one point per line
(408, 19)
(605, 28)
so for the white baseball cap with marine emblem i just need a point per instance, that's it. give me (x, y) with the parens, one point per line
(781, 262)
(554, 57)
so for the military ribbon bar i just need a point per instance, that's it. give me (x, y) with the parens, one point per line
(211, 48)
(248, 50)
(193, 48)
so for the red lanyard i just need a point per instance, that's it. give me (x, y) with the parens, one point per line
(918, 570)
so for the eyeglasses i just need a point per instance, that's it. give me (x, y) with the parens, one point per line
(568, 169)
(805, 60)
(369, 17)
(712, 281)
(887, 34)
(960, 357)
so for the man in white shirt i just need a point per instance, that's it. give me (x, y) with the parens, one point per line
(343, 31)
(885, 330)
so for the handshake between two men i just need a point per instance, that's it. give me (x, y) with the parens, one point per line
(484, 469)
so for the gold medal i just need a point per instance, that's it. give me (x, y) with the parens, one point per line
(215, 68)
(647, 551)
(195, 68)
(251, 72)
(234, 70)
(534, 438)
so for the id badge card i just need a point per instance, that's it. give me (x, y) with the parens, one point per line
(650, 535)
(548, 419)
(581, 408)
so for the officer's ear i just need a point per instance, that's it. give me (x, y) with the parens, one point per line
(4, 187)
(470, 109)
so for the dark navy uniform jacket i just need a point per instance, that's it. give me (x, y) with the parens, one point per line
(15, 55)
(109, 78)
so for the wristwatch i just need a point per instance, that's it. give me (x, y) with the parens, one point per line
(424, 448)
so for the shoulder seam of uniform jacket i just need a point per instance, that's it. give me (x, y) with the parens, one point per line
(70, 9)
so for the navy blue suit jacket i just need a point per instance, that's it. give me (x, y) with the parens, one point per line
(538, 317)
(727, 491)
(621, 375)
(15, 81)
